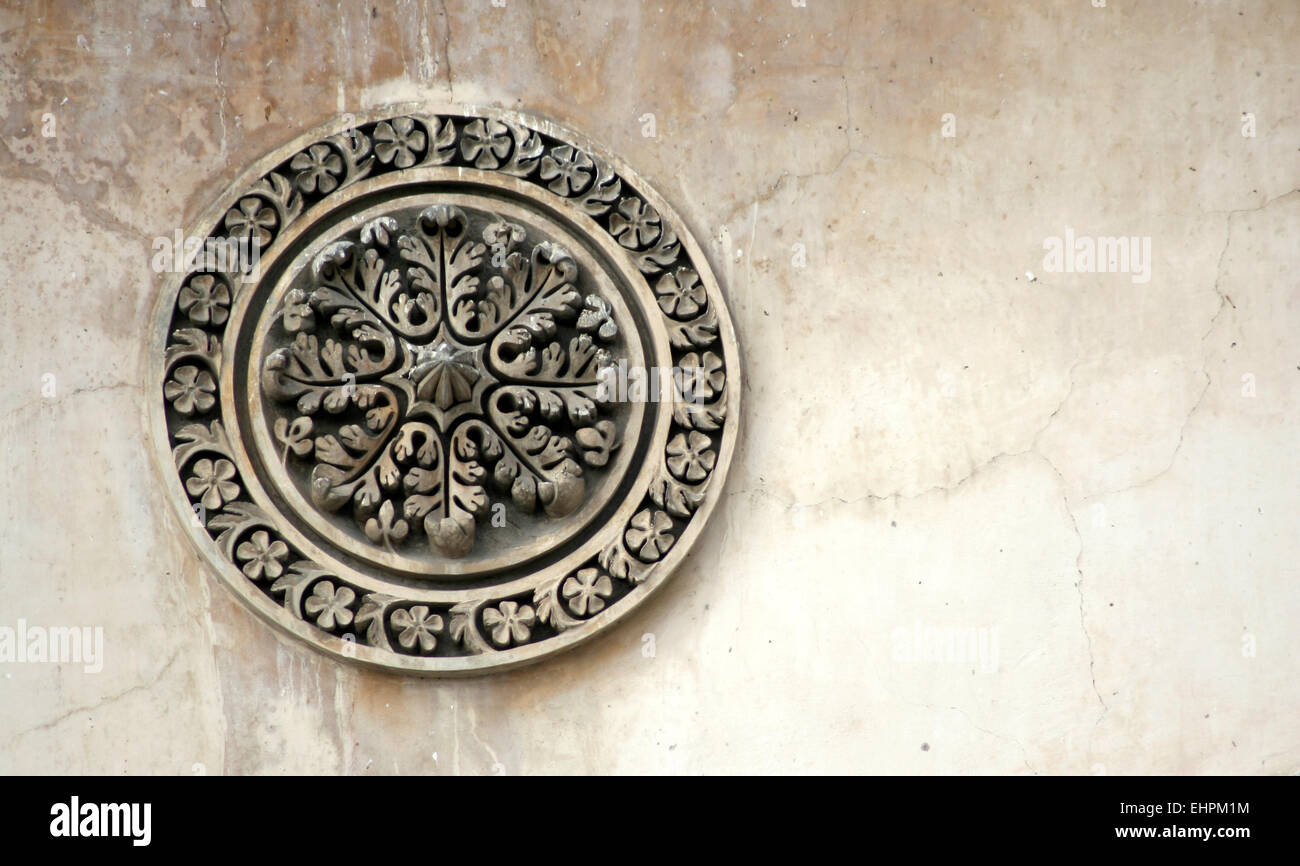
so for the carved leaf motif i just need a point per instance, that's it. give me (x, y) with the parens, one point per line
(233, 521)
(619, 563)
(701, 416)
(442, 146)
(548, 297)
(464, 629)
(451, 525)
(662, 254)
(357, 158)
(195, 438)
(675, 497)
(597, 442)
(355, 463)
(699, 332)
(527, 150)
(423, 483)
(597, 317)
(385, 528)
(294, 436)
(603, 192)
(335, 297)
(445, 260)
(546, 599)
(369, 622)
(194, 343)
(281, 195)
(294, 582)
(549, 457)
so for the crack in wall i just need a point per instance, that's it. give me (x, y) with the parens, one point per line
(102, 702)
(75, 392)
(446, 49)
(223, 92)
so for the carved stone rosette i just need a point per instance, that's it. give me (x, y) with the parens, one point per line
(467, 397)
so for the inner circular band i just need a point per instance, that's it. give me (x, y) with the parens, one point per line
(497, 561)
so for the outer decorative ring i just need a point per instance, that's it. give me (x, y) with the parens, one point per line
(482, 628)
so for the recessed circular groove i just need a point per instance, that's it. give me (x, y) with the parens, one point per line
(466, 396)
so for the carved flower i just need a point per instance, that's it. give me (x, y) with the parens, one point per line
(251, 219)
(509, 620)
(330, 605)
(587, 591)
(648, 534)
(635, 224)
(204, 300)
(317, 166)
(422, 398)
(261, 556)
(568, 169)
(680, 293)
(190, 388)
(701, 379)
(690, 456)
(485, 142)
(417, 625)
(398, 142)
(211, 483)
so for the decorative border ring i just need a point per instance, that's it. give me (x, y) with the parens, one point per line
(340, 399)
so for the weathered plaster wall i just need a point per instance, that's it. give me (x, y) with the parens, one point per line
(932, 439)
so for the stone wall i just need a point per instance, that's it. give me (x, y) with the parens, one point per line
(985, 515)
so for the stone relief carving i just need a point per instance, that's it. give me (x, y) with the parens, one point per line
(391, 432)
(420, 381)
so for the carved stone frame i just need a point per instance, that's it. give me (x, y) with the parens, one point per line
(705, 339)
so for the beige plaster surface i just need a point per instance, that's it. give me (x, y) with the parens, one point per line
(1098, 476)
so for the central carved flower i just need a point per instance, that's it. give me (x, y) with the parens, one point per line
(444, 374)
(421, 379)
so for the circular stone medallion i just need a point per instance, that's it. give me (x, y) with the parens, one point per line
(443, 393)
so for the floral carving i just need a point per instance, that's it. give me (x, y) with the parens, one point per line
(680, 293)
(587, 590)
(212, 483)
(262, 556)
(430, 369)
(191, 389)
(509, 622)
(690, 456)
(204, 299)
(703, 377)
(330, 605)
(635, 223)
(251, 219)
(568, 169)
(649, 534)
(485, 143)
(398, 142)
(435, 382)
(417, 625)
(318, 167)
